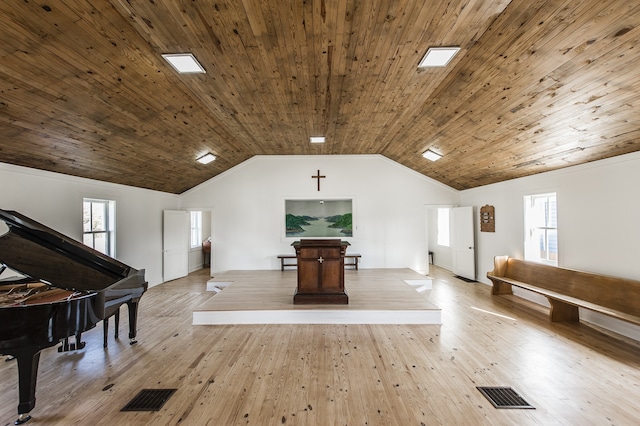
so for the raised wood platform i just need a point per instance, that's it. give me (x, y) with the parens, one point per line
(376, 296)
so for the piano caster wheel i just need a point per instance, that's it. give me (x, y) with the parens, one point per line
(132, 341)
(22, 418)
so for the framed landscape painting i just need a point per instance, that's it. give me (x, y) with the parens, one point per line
(319, 218)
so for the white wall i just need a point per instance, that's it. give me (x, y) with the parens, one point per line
(598, 222)
(389, 202)
(55, 200)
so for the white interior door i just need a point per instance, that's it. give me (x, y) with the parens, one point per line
(175, 245)
(463, 242)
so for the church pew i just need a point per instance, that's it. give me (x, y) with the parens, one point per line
(567, 289)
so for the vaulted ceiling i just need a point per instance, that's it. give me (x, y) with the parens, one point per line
(537, 85)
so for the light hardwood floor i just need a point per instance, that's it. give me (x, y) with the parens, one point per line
(340, 374)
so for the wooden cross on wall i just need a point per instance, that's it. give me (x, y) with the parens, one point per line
(318, 177)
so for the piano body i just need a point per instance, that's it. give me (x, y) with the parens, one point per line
(66, 288)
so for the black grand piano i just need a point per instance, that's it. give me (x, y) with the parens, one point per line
(64, 289)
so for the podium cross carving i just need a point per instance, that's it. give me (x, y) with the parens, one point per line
(320, 259)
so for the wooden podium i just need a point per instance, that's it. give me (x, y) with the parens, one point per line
(320, 272)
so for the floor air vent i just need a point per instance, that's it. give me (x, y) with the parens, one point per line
(502, 397)
(149, 400)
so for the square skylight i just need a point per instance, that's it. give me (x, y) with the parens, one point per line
(438, 56)
(184, 63)
(431, 155)
(206, 159)
(317, 139)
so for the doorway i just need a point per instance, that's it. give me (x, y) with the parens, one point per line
(463, 243)
(454, 251)
(175, 244)
(438, 249)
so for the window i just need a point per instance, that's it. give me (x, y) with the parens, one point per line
(443, 227)
(98, 225)
(196, 229)
(541, 228)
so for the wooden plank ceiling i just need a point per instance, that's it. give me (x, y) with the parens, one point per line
(538, 85)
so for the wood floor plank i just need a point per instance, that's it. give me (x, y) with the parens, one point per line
(340, 374)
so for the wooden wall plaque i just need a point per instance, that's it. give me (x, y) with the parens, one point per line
(487, 219)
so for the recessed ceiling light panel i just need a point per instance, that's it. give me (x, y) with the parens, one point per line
(317, 139)
(431, 155)
(438, 56)
(206, 159)
(184, 63)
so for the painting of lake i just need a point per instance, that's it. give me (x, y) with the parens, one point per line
(319, 218)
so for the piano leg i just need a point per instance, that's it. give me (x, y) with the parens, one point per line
(105, 332)
(132, 307)
(116, 320)
(105, 327)
(28, 359)
(79, 343)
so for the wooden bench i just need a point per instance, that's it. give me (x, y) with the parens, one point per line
(282, 258)
(568, 289)
(354, 257)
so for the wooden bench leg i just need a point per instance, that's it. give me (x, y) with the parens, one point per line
(500, 287)
(563, 312)
(354, 263)
(284, 265)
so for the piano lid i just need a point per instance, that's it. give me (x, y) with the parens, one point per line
(39, 252)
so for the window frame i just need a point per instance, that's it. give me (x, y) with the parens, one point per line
(195, 240)
(443, 221)
(109, 231)
(541, 228)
